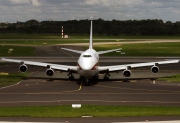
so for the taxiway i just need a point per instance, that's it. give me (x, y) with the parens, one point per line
(39, 89)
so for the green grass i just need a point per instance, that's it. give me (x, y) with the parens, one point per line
(17, 51)
(175, 78)
(88, 110)
(153, 49)
(48, 42)
(6, 80)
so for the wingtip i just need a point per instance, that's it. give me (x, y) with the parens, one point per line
(119, 48)
(2, 59)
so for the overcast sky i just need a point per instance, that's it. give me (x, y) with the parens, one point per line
(23, 10)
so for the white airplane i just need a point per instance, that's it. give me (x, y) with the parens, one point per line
(88, 64)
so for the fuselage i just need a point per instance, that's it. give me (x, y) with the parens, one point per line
(87, 63)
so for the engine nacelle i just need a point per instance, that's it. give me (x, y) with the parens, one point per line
(23, 68)
(127, 73)
(49, 72)
(155, 69)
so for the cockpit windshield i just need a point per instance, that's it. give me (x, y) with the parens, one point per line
(87, 56)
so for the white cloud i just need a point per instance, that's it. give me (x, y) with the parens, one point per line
(35, 2)
(83, 9)
(19, 1)
(28, 2)
(114, 2)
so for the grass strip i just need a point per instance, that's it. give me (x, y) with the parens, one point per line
(48, 42)
(157, 49)
(153, 49)
(175, 78)
(66, 111)
(10, 79)
(16, 51)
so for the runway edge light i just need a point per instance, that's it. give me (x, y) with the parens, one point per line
(76, 105)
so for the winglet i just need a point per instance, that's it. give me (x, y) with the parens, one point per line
(91, 39)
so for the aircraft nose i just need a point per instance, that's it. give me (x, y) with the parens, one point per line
(86, 66)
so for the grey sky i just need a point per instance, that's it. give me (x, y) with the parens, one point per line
(23, 10)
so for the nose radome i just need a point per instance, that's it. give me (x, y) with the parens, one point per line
(86, 66)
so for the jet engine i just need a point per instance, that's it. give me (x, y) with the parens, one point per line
(23, 68)
(49, 72)
(127, 73)
(155, 69)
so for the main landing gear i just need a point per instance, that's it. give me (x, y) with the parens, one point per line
(106, 77)
(71, 76)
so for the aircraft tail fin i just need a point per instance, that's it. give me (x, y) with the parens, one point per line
(91, 36)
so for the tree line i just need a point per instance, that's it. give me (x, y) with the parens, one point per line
(100, 27)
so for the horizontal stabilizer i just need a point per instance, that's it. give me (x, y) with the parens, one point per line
(71, 50)
(108, 51)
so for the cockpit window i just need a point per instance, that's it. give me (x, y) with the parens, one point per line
(87, 56)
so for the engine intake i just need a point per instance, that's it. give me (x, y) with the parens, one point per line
(49, 72)
(155, 69)
(23, 68)
(127, 73)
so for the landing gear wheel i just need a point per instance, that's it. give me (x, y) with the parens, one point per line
(71, 77)
(106, 77)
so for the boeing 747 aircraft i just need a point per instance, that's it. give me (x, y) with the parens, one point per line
(87, 64)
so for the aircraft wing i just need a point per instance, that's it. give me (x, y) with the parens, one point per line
(71, 50)
(137, 65)
(41, 64)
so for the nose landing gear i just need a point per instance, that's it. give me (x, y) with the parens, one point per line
(88, 82)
